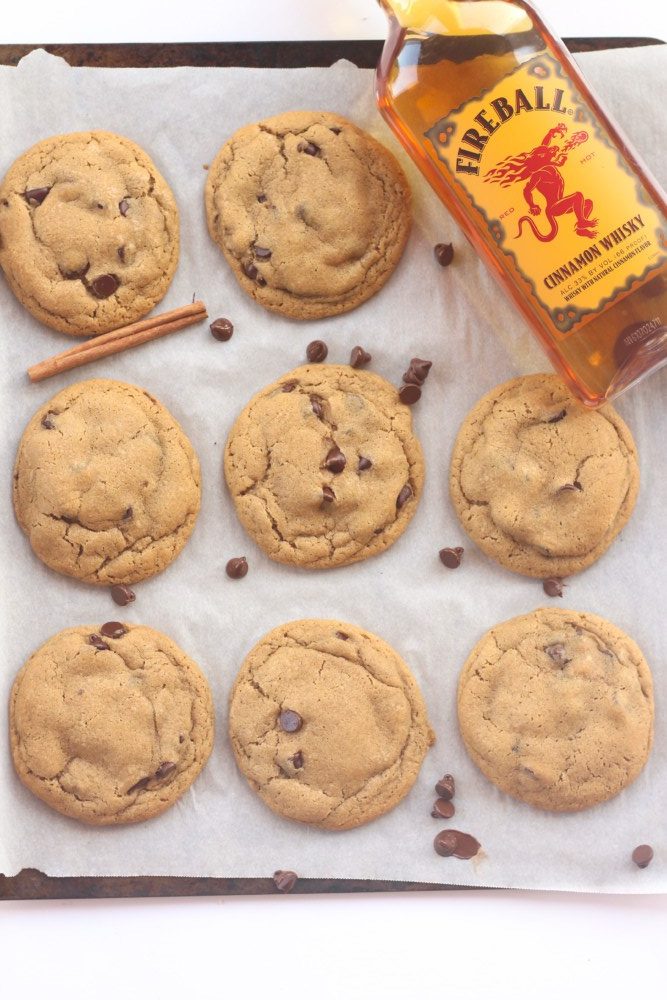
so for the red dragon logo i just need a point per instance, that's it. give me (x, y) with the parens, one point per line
(539, 168)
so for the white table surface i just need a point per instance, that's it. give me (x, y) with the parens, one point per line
(469, 945)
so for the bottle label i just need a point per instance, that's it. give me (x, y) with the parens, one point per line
(554, 192)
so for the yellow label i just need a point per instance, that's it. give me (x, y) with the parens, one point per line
(553, 190)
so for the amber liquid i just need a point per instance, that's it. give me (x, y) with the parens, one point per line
(441, 56)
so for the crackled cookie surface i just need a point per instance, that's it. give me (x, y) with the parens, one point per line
(106, 484)
(323, 466)
(89, 235)
(110, 723)
(327, 724)
(556, 708)
(541, 484)
(311, 213)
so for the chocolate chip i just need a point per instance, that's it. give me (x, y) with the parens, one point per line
(328, 495)
(285, 881)
(237, 568)
(249, 269)
(335, 461)
(128, 514)
(316, 351)
(570, 488)
(403, 496)
(290, 721)
(141, 783)
(465, 846)
(334, 129)
(122, 595)
(558, 416)
(557, 653)
(262, 253)
(47, 423)
(451, 558)
(181, 738)
(446, 787)
(123, 206)
(75, 275)
(97, 641)
(104, 285)
(342, 635)
(288, 386)
(409, 394)
(260, 281)
(222, 328)
(308, 147)
(121, 254)
(316, 404)
(165, 769)
(411, 377)
(445, 843)
(297, 759)
(364, 463)
(421, 368)
(642, 855)
(443, 809)
(35, 196)
(553, 586)
(113, 630)
(444, 254)
(359, 357)
(261, 198)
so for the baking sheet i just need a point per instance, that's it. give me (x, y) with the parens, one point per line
(431, 616)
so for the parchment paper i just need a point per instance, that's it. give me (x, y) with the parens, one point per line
(432, 616)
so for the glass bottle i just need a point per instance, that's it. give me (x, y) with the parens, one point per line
(498, 117)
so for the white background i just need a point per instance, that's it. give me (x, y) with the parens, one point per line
(466, 944)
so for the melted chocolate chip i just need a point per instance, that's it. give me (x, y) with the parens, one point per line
(335, 461)
(249, 269)
(123, 206)
(35, 196)
(47, 423)
(316, 404)
(262, 253)
(104, 285)
(446, 787)
(316, 351)
(222, 329)
(297, 759)
(288, 386)
(237, 568)
(113, 630)
(451, 558)
(364, 463)
(122, 595)
(308, 147)
(290, 721)
(328, 495)
(261, 281)
(403, 496)
(359, 357)
(261, 198)
(444, 254)
(553, 586)
(453, 842)
(285, 881)
(165, 769)
(557, 417)
(97, 641)
(409, 394)
(141, 783)
(443, 809)
(642, 855)
(557, 653)
(342, 635)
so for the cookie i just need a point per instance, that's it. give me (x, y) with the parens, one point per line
(110, 724)
(106, 484)
(541, 484)
(88, 232)
(327, 724)
(556, 708)
(323, 466)
(311, 213)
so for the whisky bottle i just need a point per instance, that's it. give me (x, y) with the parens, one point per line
(498, 117)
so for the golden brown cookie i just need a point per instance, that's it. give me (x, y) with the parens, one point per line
(323, 466)
(327, 724)
(110, 724)
(540, 483)
(556, 708)
(106, 484)
(311, 212)
(88, 232)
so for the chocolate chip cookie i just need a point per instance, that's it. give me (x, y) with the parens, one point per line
(541, 484)
(110, 724)
(327, 724)
(323, 466)
(311, 213)
(88, 232)
(556, 709)
(106, 484)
